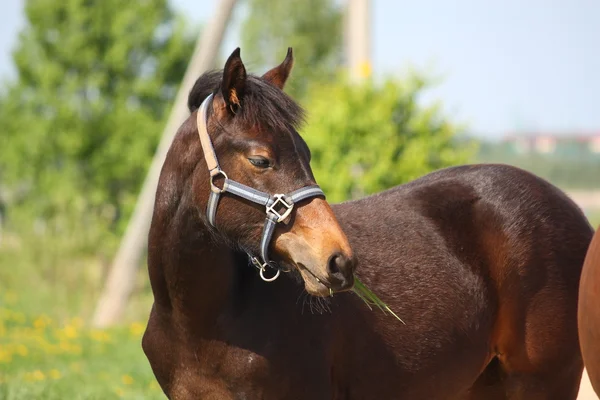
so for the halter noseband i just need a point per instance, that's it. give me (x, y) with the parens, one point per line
(270, 202)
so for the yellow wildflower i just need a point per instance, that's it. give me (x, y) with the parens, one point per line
(41, 322)
(154, 385)
(54, 374)
(5, 356)
(70, 331)
(120, 392)
(127, 379)
(38, 375)
(100, 336)
(136, 329)
(21, 350)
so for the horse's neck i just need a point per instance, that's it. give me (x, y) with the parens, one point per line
(190, 273)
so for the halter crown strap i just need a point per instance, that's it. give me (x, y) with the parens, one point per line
(277, 207)
(207, 148)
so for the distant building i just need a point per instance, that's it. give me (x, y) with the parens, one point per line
(557, 144)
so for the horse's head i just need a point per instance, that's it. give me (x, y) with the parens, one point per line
(252, 125)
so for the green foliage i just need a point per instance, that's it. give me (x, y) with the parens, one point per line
(370, 137)
(82, 121)
(80, 124)
(313, 28)
(52, 274)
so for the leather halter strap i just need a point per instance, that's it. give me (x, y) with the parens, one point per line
(273, 203)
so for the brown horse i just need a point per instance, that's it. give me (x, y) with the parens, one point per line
(589, 312)
(481, 262)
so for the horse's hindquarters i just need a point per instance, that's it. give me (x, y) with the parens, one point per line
(489, 237)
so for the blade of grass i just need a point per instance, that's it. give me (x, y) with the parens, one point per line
(362, 297)
(364, 291)
(366, 295)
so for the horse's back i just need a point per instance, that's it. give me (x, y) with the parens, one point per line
(489, 217)
(474, 211)
(589, 312)
(485, 256)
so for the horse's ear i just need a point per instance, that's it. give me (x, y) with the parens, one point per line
(234, 81)
(278, 75)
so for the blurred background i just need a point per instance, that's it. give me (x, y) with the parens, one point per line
(393, 90)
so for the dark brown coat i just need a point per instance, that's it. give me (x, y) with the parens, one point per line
(482, 262)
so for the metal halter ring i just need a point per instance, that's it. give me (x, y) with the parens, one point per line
(260, 266)
(279, 198)
(214, 174)
(263, 267)
(262, 271)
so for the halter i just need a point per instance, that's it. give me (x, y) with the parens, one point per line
(272, 203)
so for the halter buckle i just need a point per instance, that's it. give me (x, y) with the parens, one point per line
(214, 174)
(279, 198)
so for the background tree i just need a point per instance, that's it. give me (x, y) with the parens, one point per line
(312, 27)
(367, 138)
(81, 122)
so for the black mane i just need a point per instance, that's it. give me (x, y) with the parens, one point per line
(262, 104)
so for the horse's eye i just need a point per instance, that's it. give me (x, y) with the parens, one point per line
(259, 162)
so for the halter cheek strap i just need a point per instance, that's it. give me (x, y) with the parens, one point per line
(277, 207)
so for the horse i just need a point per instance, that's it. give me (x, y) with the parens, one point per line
(588, 313)
(481, 262)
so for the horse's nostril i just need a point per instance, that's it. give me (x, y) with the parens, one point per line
(340, 268)
(335, 263)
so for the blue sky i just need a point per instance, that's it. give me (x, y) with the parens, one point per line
(507, 66)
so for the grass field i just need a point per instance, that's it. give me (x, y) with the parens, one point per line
(47, 349)
(41, 359)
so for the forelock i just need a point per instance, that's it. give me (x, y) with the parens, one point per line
(263, 104)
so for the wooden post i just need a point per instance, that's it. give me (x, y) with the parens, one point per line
(121, 278)
(358, 39)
